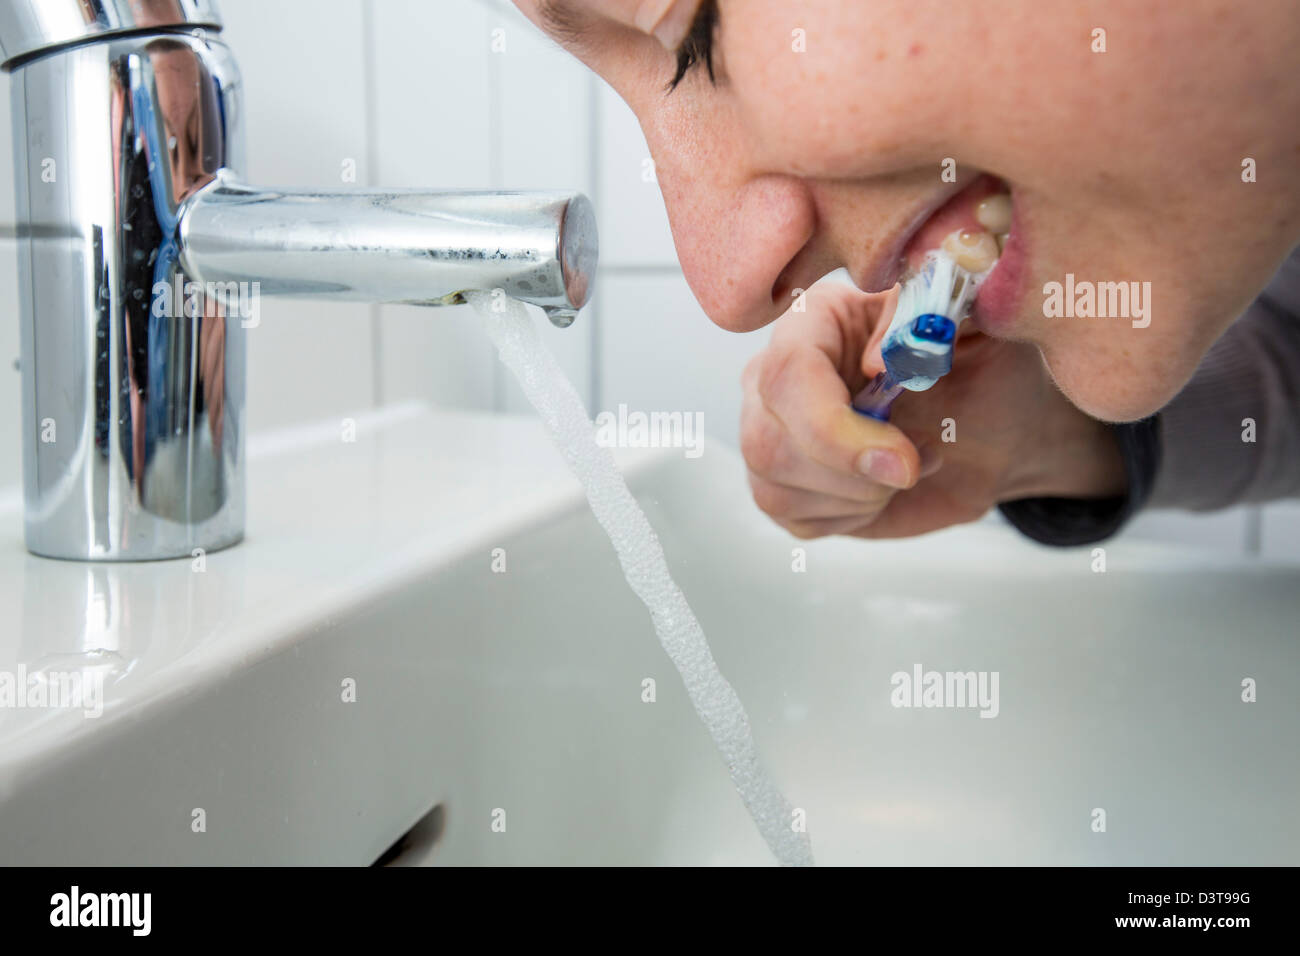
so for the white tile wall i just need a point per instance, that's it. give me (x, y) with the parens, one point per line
(659, 352)
(633, 221)
(304, 90)
(432, 123)
(432, 105)
(306, 359)
(414, 93)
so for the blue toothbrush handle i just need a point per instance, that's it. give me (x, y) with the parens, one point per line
(878, 397)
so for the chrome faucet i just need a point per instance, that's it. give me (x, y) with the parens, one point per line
(142, 257)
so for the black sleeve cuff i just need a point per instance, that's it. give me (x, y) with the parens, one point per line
(1069, 522)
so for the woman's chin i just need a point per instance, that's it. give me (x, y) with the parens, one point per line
(1106, 390)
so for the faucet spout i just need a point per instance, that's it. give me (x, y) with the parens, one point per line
(392, 245)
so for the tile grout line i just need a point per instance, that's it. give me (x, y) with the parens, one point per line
(370, 98)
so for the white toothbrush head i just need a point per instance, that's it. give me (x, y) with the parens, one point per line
(932, 304)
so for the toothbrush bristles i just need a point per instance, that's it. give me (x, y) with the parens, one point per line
(938, 286)
(962, 294)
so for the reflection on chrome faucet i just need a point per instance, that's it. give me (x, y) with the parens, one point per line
(171, 114)
(128, 123)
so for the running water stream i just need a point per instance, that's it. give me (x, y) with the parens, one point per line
(642, 558)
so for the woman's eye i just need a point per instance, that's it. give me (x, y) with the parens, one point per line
(697, 48)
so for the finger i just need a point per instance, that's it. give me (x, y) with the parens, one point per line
(786, 502)
(772, 453)
(820, 528)
(801, 387)
(839, 320)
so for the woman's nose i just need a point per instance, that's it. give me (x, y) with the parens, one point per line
(745, 249)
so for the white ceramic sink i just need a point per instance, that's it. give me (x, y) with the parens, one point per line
(521, 691)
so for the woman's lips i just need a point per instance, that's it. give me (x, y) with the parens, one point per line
(996, 302)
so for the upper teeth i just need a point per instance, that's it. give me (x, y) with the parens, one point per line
(994, 214)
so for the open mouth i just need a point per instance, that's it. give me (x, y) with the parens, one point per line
(978, 228)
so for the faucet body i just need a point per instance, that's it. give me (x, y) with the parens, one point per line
(142, 256)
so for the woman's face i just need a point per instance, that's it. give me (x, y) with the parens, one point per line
(824, 141)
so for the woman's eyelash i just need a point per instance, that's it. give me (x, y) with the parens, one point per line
(697, 48)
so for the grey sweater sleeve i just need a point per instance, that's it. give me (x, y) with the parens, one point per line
(1247, 387)
(1231, 436)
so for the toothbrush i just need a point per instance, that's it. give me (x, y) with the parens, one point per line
(917, 347)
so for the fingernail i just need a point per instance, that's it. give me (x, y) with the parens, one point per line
(884, 467)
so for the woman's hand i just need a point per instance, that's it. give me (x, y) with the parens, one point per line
(993, 429)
